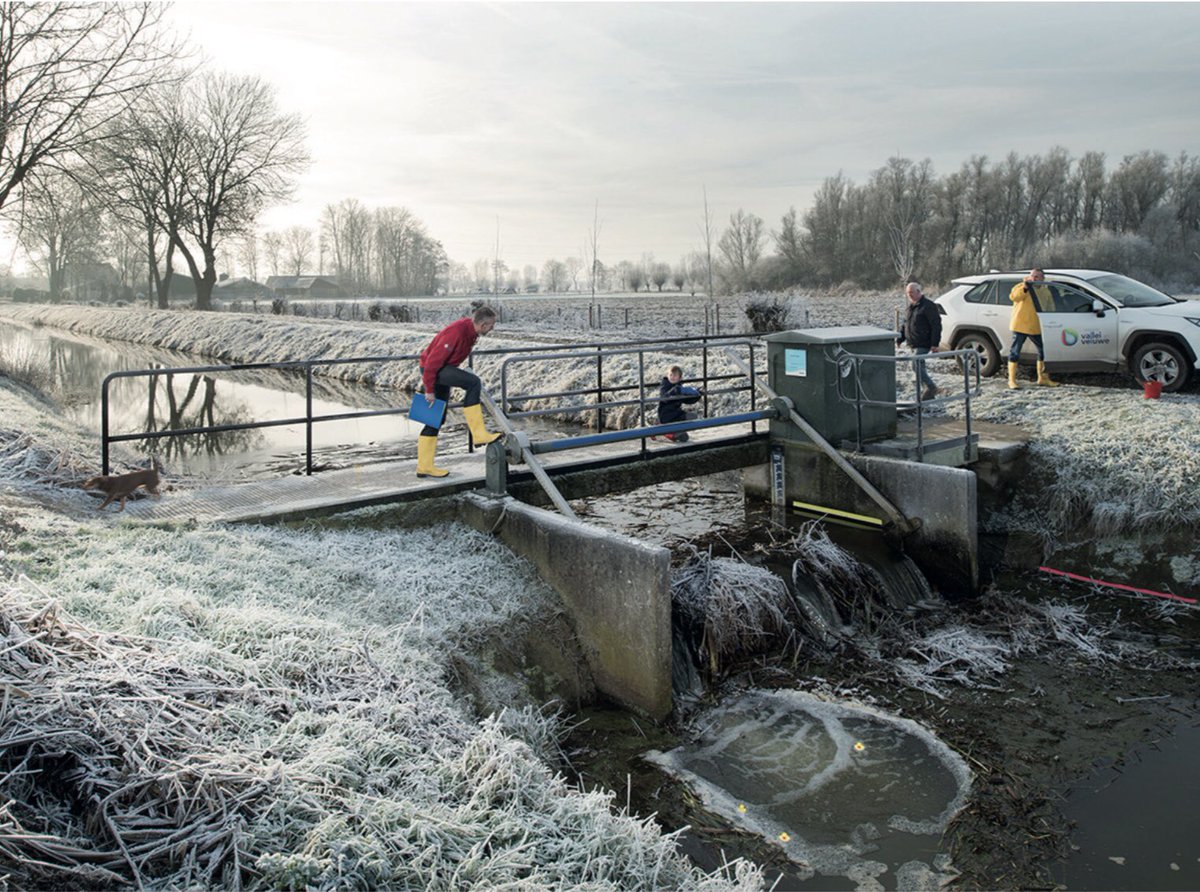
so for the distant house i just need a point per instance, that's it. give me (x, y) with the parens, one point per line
(240, 288)
(304, 286)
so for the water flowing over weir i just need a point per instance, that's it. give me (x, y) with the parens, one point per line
(841, 788)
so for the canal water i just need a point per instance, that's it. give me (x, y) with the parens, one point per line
(74, 366)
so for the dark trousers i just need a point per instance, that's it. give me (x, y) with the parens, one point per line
(452, 376)
(1019, 337)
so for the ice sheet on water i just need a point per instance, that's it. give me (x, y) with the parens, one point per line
(826, 781)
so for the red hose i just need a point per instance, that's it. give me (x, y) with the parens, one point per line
(1127, 588)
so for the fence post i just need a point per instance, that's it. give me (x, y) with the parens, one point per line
(599, 389)
(308, 422)
(104, 428)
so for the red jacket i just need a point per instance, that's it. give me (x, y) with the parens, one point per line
(450, 346)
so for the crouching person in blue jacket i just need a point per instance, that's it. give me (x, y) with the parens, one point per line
(673, 396)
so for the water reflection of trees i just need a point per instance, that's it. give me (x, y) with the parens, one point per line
(169, 410)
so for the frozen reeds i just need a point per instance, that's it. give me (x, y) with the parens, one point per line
(740, 608)
(22, 458)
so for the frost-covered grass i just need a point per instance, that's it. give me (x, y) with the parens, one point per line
(271, 708)
(36, 446)
(1101, 458)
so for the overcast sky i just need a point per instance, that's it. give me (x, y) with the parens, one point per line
(529, 113)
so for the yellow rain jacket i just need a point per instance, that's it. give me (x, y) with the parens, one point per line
(1024, 314)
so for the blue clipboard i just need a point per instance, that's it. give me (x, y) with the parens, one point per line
(421, 411)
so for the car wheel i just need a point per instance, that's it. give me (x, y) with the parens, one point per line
(1163, 363)
(989, 356)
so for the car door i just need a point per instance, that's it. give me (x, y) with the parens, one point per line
(993, 308)
(1074, 335)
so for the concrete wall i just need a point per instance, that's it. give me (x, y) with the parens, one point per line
(617, 591)
(946, 547)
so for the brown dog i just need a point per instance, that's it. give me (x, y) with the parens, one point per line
(121, 486)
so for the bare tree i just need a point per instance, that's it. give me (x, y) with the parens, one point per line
(741, 246)
(247, 255)
(660, 273)
(242, 154)
(138, 170)
(591, 250)
(346, 230)
(60, 225)
(66, 71)
(273, 251)
(298, 249)
(554, 275)
(481, 274)
(706, 236)
(574, 267)
(902, 192)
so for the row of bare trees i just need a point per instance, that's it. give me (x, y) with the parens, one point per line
(1141, 217)
(117, 151)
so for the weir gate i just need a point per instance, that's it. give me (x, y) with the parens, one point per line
(815, 419)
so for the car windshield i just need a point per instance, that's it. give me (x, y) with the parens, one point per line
(1130, 292)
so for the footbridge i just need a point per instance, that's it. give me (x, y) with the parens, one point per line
(812, 419)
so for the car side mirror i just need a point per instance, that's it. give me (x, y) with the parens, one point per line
(1098, 308)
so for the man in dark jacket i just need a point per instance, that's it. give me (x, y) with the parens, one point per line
(672, 396)
(922, 332)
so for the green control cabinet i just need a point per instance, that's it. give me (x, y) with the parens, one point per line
(802, 365)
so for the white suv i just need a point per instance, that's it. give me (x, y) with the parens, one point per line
(1099, 321)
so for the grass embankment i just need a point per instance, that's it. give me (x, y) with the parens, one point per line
(273, 708)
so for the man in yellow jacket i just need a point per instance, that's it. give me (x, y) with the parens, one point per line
(1027, 297)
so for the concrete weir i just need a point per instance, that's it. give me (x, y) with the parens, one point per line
(617, 591)
(946, 544)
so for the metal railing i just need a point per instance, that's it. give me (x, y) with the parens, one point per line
(968, 361)
(306, 368)
(602, 393)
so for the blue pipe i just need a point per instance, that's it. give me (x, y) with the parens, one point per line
(640, 432)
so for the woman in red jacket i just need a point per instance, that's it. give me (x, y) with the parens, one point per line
(440, 372)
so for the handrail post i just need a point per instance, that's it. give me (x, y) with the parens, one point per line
(704, 371)
(753, 390)
(308, 418)
(599, 389)
(104, 427)
(642, 390)
(858, 395)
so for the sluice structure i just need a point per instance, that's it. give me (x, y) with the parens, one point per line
(826, 436)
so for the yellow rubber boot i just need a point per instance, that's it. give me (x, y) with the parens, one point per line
(479, 432)
(426, 450)
(1012, 376)
(1043, 378)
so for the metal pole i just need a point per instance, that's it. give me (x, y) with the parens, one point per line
(704, 371)
(104, 427)
(308, 423)
(753, 390)
(599, 390)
